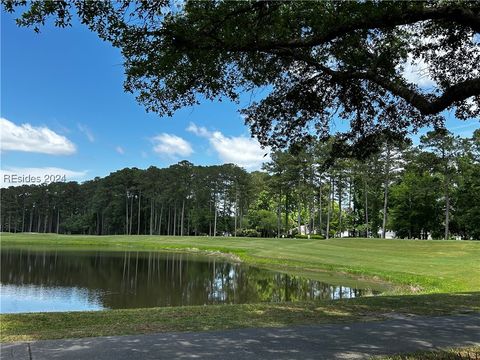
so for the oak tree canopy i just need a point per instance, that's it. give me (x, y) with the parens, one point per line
(317, 60)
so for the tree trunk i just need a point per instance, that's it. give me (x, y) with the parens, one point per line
(320, 208)
(385, 202)
(447, 211)
(98, 223)
(236, 210)
(310, 219)
(139, 212)
(152, 206)
(50, 221)
(169, 219)
(340, 208)
(196, 222)
(175, 219)
(366, 209)
(23, 219)
(299, 218)
(329, 205)
(313, 218)
(240, 217)
(210, 218)
(30, 227)
(160, 221)
(447, 196)
(351, 207)
(215, 219)
(58, 221)
(235, 217)
(45, 222)
(155, 217)
(131, 217)
(279, 214)
(126, 213)
(286, 213)
(182, 218)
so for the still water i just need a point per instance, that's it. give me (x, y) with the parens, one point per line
(67, 281)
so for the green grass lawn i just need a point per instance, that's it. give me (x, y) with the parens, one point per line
(444, 275)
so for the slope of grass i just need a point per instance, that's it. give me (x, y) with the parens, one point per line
(38, 326)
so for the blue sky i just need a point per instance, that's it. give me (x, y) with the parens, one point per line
(64, 87)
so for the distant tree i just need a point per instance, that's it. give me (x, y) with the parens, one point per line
(391, 159)
(264, 221)
(444, 146)
(283, 181)
(415, 205)
(466, 193)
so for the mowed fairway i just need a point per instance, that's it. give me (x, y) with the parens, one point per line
(421, 265)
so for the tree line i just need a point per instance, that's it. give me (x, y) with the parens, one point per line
(182, 199)
(426, 191)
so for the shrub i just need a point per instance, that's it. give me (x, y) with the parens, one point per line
(312, 236)
(248, 233)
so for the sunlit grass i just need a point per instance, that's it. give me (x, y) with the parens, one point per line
(36, 326)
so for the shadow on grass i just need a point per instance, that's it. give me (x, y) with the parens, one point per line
(35, 326)
(329, 341)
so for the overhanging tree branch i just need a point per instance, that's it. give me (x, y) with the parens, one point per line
(384, 18)
(426, 104)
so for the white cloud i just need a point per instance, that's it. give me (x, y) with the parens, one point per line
(171, 145)
(416, 72)
(471, 103)
(198, 130)
(28, 138)
(240, 150)
(14, 176)
(87, 132)
(120, 150)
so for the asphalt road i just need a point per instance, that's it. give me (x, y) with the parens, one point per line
(338, 341)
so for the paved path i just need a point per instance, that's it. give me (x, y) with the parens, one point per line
(339, 341)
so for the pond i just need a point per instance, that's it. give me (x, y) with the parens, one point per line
(33, 281)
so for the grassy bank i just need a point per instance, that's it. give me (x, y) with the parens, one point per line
(36, 326)
(445, 275)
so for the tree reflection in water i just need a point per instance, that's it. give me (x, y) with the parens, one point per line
(120, 280)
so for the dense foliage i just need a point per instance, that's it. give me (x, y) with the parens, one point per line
(318, 60)
(431, 190)
(179, 200)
